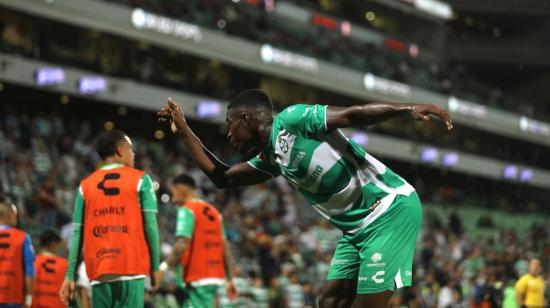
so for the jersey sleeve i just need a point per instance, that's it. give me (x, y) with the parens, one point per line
(263, 163)
(76, 240)
(147, 197)
(185, 222)
(29, 256)
(305, 120)
(148, 203)
(224, 236)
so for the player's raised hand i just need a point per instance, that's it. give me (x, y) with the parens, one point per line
(422, 112)
(67, 291)
(173, 115)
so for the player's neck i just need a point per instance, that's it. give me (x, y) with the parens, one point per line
(112, 160)
(48, 252)
(191, 197)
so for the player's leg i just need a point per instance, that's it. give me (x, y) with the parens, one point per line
(387, 253)
(203, 296)
(207, 295)
(102, 295)
(376, 300)
(129, 293)
(338, 293)
(341, 285)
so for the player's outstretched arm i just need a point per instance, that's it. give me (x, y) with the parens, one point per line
(373, 113)
(223, 176)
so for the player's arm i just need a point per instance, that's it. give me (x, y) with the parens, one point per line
(223, 176)
(185, 225)
(67, 291)
(228, 259)
(85, 300)
(29, 256)
(177, 252)
(373, 113)
(83, 285)
(148, 204)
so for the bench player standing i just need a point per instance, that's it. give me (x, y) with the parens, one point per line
(16, 261)
(201, 248)
(115, 225)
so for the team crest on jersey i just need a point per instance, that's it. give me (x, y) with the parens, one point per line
(283, 145)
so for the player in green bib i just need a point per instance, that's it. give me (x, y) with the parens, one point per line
(378, 212)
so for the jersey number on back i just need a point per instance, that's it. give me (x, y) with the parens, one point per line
(46, 268)
(206, 212)
(109, 191)
(4, 245)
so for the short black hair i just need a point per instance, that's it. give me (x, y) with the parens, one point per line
(107, 142)
(185, 180)
(49, 236)
(251, 98)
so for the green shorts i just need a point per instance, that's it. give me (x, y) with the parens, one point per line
(127, 293)
(380, 256)
(199, 297)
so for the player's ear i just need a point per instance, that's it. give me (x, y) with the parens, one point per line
(118, 152)
(246, 117)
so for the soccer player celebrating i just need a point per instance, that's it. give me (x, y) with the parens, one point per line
(201, 248)
(50, 271)
(115, 225)
(377, 210)
(16, 261)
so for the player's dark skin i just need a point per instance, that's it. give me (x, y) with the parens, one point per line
(249, 131)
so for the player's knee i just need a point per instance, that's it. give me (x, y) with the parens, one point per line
(326, 301)
(333, 301)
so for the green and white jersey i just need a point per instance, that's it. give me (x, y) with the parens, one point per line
(243, 290)
(260, 297)
(333, 173)
(295, 295)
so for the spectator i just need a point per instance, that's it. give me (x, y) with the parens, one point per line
(530, 287)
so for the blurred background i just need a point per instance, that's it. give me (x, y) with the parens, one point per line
(70, 69)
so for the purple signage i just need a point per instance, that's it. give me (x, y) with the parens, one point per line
(450, 159)
(510, 172)
(360, 138)
(208, 109)
(92, 84)
(429, 155)
(48, 76)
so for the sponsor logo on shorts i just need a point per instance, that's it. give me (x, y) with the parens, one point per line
(362, 278)
(408, 273)
(376, 277)
(376, 258)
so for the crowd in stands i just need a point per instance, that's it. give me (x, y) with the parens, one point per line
(248, 21)
(153, 65)
(139, 60)
(282, 248)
